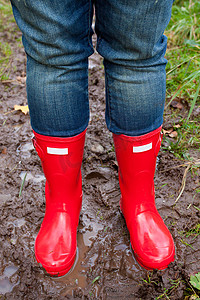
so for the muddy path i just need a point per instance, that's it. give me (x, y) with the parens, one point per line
(105, 266)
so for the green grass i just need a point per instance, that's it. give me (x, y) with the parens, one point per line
(183, 85)
(5, 60)
(8, 28)
(188, 139)
(184, 22)
(6, 17)
(183, 53)
(193, 232)
(168, 292)
(193, 288)
(183, 77)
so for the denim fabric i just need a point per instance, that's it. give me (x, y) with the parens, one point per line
(57, 40)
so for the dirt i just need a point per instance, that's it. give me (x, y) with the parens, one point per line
(105, 266)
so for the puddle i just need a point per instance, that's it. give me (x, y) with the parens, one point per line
(16, 223)
(10, 270)
(35, 178)
(7, 282)
(25, 149)
(76, 276)
(120, 247)
(19, 222)
(89, 236)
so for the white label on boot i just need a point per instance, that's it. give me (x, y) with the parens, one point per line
(138, 149)
(57, 151)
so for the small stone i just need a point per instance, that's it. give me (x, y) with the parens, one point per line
(97, 148)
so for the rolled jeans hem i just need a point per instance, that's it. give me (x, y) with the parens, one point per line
(134, 132)
(61, 134)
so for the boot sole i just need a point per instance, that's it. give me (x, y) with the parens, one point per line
(63, 271)
(155, 268)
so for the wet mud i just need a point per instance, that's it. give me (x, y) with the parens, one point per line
(105, 265)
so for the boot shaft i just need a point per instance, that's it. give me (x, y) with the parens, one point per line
(61, 160)
(136, 158)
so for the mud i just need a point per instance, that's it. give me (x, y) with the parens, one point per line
(105, 266)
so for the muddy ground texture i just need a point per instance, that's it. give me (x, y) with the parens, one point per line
(105, 266)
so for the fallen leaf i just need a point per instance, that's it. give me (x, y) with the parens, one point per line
(173, 134)
(195, 280)
(21, 80)
(23, 108)
(177, 126)
(167, 131)
(4, 150)
(177, 103)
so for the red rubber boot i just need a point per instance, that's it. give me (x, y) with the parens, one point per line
(61, 158)
(150, 239)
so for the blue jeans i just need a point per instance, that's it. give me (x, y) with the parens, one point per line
(57, 37)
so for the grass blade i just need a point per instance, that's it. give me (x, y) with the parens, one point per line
(190, 78)
(23, 181)
(193, 101)
(97, 278)
(178, 66)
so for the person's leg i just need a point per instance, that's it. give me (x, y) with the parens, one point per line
(57, 41)
(131, 40)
